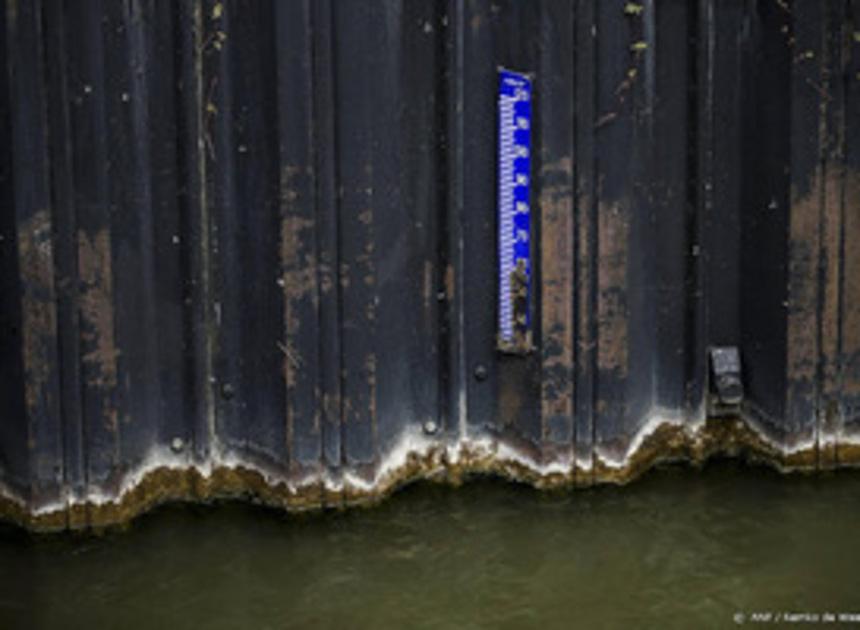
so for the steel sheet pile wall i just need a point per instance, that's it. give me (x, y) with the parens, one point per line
(250, 246)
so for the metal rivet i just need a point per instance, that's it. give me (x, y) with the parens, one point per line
(227, 391)
(430, 427)
(480, 372)
(177, 444)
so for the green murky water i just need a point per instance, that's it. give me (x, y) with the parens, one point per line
(680, 548)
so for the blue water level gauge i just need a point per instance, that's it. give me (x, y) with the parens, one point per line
(514, 173)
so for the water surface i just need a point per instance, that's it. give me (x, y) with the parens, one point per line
(679, 548)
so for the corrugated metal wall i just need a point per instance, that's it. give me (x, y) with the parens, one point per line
(263, 233)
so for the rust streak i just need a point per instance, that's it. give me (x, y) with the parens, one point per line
(38, 312)
(830, 319)
(851, 287)
(556, 204)
(300, 272)
(96, 305)
(804, 235)
(449, 282)
(370, 372)
(613, 231)
(299, 281)
(584, 276)
(97, 318)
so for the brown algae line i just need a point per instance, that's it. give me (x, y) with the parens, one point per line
(667, 442)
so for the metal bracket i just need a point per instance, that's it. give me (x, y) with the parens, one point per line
(726, 390)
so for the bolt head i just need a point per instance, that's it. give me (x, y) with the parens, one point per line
(430, 427)
(177, 444)
(481, 372)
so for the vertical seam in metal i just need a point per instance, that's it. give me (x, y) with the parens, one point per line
(576, 350)
(456, 248)
(205, 261)
(595, 243)
(821, 273)
(312, 159)
(314, 104)
(61, 354)
(459, 174)
(442, 108)
(48, 175)
(338, 198)
(845, 52)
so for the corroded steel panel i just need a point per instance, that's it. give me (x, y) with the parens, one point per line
(251, 247)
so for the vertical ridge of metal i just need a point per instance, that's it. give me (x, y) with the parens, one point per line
(221, 67)
(95, 247)
(31, 196)
(585, 164)
(442, 119)
(846, 37)
(820, 273)
(193, 165)
(457, 400)
(75, 474)
(700, 198)
(325, 152)
(13, 454)
(296, 183)
(337, 206)
(834, 45)
(554, 262)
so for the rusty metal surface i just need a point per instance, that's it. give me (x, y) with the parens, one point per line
(255, 242)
